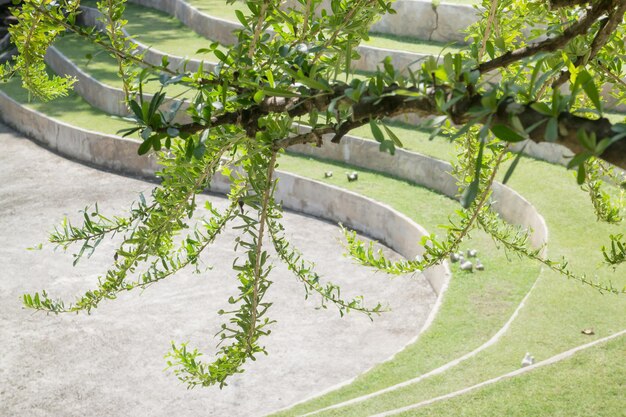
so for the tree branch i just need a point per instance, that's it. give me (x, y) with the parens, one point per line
(552, 44)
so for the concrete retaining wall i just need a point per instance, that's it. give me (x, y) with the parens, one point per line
(375, 219)
(89, 17)
(213, 28)
(419, 19)
(422, 20)
(102, 96)
(109, 99)
(221, 30)
(431, 173)
(419, 169)
(105, 151)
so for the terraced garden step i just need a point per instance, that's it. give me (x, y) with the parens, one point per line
(475, 305)
(421, 203)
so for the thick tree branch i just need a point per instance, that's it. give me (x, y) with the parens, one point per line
(397, 101)
(558, 4)
(608, 26)
(552, 44)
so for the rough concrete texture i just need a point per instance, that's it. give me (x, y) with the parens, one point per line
(120, 155)
(111, 362)
(110, 100)
(422, 20)
(371, 58)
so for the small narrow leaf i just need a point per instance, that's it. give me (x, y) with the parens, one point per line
(506, 134)
(509, 172)
(393, 136)
(378, 134)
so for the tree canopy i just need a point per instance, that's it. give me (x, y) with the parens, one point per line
(544, 70)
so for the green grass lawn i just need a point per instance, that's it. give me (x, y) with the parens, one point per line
(103, 67)
(476, 305)
(162, 31)
(551, 391)
(72, 110)
(551, 322)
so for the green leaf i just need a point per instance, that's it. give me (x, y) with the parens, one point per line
(552, 130)
(590, 88)
(259, 96)
(144, 147)
(220, 55)
(509, 172)
(378, 134)
(270, 78)
(276, 92)
(580, 178)
(241, 17)
(587, 140)
(129, 131)
(542, 108)
(470, 194)
(134, 106)
(393, 136)
(387, 146)
(314, 84)
(506, 134)
(578, 159)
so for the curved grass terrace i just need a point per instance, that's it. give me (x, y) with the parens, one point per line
(476, 305)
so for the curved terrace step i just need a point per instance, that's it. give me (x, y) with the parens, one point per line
(324, 208)
(374, 219)
(221, 30)
(419, 169)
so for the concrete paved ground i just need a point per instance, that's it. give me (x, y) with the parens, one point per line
(110, 363)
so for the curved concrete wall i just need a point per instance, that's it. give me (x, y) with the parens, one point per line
(419, 169)
(377, 220)
(419, 19)
(423, 20)
(213, 28)
(406, 165)
(102, 96)
(221, 30)
(94, 148)
(90, 17)
(431, 173)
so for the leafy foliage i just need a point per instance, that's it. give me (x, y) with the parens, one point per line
(534, 71)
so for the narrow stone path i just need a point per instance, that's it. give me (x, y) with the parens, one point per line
(110, 363)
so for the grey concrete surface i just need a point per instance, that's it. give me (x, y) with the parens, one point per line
(331, 203)
(422, 20)
(111, 362)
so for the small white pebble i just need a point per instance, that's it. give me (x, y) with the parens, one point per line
(467, 266)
